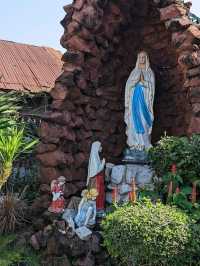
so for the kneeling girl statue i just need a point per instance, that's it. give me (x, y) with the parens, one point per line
(139, 97)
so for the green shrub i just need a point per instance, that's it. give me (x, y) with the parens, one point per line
(182, 151)
(12, 255)
(151, 234)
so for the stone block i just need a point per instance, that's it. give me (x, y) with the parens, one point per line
(183, 41)
(144, 175)
(78, 4)
(83, 233)
(34, 242)
(196, 109)
(109, 167)
(89, 260)
(47, 174)
(117, 174)
(193, 82)
(124, 188)
(124, 198)
(79, 44)
(42, 148)
(195, 94)
(109, 197)
(194, 126)
(73, 57)
(55, 158)
(193, 72)
(59, 92)
(135, 156)
(72, 28)
(70, 189)
(171, 11)
(131, 172)
(90, 17)
(68, 8)
(177, 24)
(80, 159)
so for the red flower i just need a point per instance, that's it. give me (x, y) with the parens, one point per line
(173, 168)
(177, 190)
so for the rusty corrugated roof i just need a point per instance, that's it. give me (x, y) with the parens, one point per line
(25, 67)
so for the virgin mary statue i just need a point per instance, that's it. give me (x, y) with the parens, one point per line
(139, 97)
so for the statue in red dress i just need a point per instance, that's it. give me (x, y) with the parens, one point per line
(58, 201)
(95, 177)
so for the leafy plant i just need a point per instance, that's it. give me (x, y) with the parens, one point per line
(181, 200)
(146, 193)
(11, 255)
(151, 234)
(182, 151)
(12, 144)
(184, 154)
(24, 178)
(8, 255)
(9, 107)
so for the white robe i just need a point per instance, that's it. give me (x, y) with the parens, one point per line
(96, 165)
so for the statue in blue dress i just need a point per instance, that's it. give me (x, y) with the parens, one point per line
(86, 215)
(139, 98)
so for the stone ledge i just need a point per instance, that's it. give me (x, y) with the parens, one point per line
(171, 12)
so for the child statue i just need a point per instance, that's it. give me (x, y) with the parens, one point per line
(95, 177)
(57, 189)
(139, 98)
(86, 215)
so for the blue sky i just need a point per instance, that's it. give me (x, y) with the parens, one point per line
(37, 21)
(32, 21)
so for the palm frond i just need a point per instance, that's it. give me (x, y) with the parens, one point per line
(9, 107)
(12, 143)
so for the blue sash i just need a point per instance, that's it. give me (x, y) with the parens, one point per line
(139, 109)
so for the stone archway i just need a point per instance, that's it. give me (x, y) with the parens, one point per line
(102, 39)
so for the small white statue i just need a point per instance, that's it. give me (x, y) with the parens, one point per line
(87, 209)
(96, 165)
(58, 201)
(95, 178)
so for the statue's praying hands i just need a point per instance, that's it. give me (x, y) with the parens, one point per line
(142, 78)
